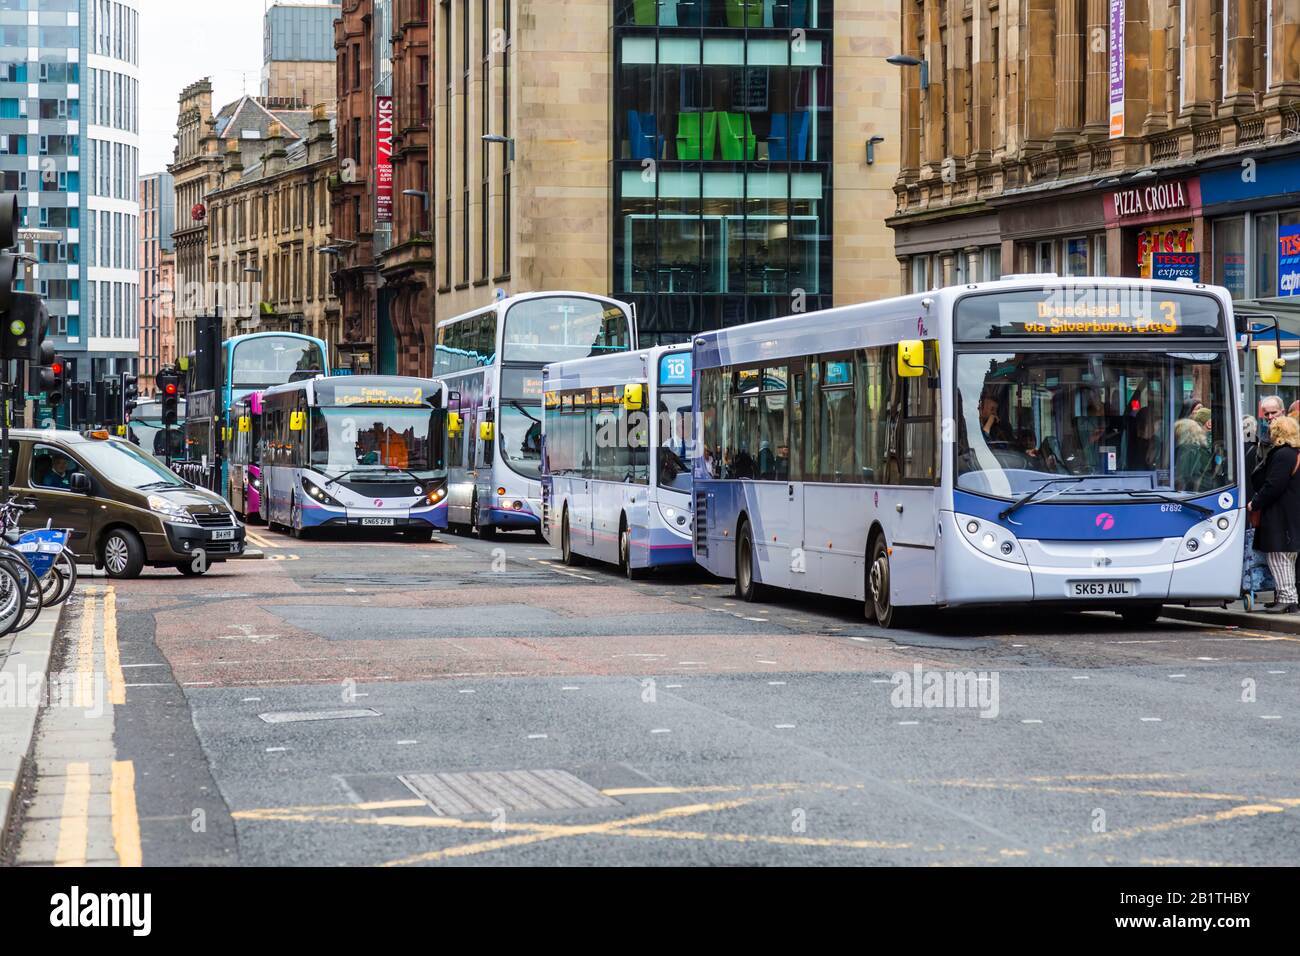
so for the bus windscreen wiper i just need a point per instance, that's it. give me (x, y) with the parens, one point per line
(1020, 503)
(1160, 496)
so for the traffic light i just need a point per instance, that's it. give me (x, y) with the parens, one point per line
(58, 370)
(130, 395)
(169, 393)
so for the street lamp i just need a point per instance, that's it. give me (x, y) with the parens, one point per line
(871, 148)
(903, 59)
(418, 194)
(508, 140)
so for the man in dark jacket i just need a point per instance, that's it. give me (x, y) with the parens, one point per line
(1277, 500)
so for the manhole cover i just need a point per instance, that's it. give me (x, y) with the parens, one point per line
(458, 794)
(295, 716)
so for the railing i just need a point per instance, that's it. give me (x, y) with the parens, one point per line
(1206, 138)
(1250, 130)
(205, 476)
(1164, 147)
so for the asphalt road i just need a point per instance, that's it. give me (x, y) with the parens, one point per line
(361, 703)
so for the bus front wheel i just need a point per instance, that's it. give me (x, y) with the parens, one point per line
(625, 553)
(486, 532)
(880, 605)
(747, 588)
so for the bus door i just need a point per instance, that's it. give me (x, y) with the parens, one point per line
(484, 456)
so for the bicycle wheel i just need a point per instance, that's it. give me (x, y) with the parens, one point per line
(51, 586)
(30, 613)
(66, 563)
(22, 570)
(13, 594)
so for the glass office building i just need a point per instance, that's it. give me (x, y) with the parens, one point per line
(69, 140)
(722, 153)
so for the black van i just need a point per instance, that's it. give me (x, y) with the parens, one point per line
(126, 509)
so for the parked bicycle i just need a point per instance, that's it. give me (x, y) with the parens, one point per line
(37, 570)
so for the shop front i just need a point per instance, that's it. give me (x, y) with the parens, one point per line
(949, 251)
(1053, 232)
(1252, 211)
(1157, 227)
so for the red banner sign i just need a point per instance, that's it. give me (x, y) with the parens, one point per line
(383, 159)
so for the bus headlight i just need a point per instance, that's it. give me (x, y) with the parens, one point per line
(319, 495)
(991, 539)
(435, 495)
(1205, 536)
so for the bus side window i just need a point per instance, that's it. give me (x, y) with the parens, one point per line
(796, 424)
(812, 405)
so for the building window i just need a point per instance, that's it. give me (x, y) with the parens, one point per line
(1230, 255)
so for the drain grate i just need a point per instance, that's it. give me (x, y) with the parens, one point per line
(460, 794)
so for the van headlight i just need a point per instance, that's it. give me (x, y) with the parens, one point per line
(991, 539)
(170, 510)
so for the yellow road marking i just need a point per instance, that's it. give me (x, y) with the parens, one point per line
(126, 819)
(1104, 791)
(74, 823)
(83, 689)
(1249, 810)
(112, 656)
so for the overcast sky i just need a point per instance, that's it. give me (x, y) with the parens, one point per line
(186, 40)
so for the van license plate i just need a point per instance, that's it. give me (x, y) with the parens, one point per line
(377, 522)
(224, 535)
(1103, 589)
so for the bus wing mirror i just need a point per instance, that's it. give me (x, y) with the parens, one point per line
(1268, 363)
(486, 431)
(296, 420)
(634, 397)
(245, 424)
(911, 359)
(454, 424)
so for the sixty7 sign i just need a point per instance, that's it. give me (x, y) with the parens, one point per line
(383, 159)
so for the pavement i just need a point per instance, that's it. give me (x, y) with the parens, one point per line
(1236, 615)
(354, 701)
(24, 663)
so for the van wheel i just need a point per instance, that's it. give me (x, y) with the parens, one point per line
(878, 587)
(747, 588)
(568, 555)
(625, 553)
(122, 553)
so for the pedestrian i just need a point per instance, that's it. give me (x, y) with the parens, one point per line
(1275, 510)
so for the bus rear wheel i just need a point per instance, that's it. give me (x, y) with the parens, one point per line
(747, 588)
(567, 554)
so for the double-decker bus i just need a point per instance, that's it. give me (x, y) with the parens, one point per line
(492, 360)
(1025, 440)
(366, 451)
(244, 489)
(616, 458)
(146, 430)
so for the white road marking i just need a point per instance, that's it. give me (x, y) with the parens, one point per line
(672, 686)
(464, 690)
(1150, 720)
(1031, 721)
(908, 723)
(570, 688)
(776, 683)
(250, 700)
(661, 730)
(767, 662)
(406, 743)
(784, 726)
(537, 737)
(1277, 672)
(125, 666)
(1172, 676)
(1079, 677)
(1207, 658)
(276, 750)
(1270, 716)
